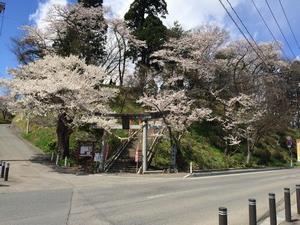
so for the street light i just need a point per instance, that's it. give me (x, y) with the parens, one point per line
(2, 10)
(2, 7)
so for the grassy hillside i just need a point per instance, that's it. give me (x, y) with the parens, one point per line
(203, 145)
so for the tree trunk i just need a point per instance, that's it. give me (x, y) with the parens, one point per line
(250, 149)
(248, 157)
(4, 113)
(63, 133)
(226, 148)
(27, 125)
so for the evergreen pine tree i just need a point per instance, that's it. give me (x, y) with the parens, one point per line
(143, 18)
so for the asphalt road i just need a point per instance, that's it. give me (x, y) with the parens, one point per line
(36, 195)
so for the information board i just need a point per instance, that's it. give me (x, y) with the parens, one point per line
(86, 150)
(298, 150)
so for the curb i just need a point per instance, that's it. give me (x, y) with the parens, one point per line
(233, 171)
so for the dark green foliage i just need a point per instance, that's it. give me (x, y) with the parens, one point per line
(154, 33)
(143, 18)
(125, 102)
(263, 155)
(26, 50)
(135, 17)
(86, 40)
(89, 3)
(176, 31)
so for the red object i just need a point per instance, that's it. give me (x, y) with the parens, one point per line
(106, 151)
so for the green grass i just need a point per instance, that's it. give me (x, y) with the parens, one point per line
(202, 145)
(43, 138)
(125, 102)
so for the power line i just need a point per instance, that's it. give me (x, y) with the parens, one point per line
(242, 32)
(272, 13)
(269, 29)
(241, 21)
(287, 20)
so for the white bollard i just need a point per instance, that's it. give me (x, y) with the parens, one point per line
(52, 156)
(191, 167)
(66, 160)
(57, 159)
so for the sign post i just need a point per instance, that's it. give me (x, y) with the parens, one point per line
(289, 143)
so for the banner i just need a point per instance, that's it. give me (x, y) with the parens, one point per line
(298, 150)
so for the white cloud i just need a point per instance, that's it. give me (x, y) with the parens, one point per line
(40, 15)
(190, 13)
(119, 7)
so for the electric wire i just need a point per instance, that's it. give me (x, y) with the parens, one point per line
(241, 21)
(242, 32)
(288, 22)
(269, 29)
(276, 21)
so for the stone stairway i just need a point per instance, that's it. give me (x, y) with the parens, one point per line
(125, 161)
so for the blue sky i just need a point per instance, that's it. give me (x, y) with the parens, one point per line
(190, 13)
(15, 16)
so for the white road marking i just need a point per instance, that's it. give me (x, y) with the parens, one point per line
(156, 196)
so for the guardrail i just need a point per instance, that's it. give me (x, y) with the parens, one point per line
(223, 212)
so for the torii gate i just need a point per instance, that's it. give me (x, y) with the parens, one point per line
(145, 117)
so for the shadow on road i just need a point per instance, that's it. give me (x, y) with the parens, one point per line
(46, 161)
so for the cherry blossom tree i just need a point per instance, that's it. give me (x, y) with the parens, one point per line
(190, 58)
(4, 106)
(185, 63)
(117, 59)
(71, 29)
(239, 121)
(78, 30)
(66, 88)
(202, 62)
(243, 94)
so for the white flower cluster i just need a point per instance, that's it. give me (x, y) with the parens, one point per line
(56, 85)
(181, 113)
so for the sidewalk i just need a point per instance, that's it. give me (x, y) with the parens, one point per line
(281, 213)
(295, 219)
